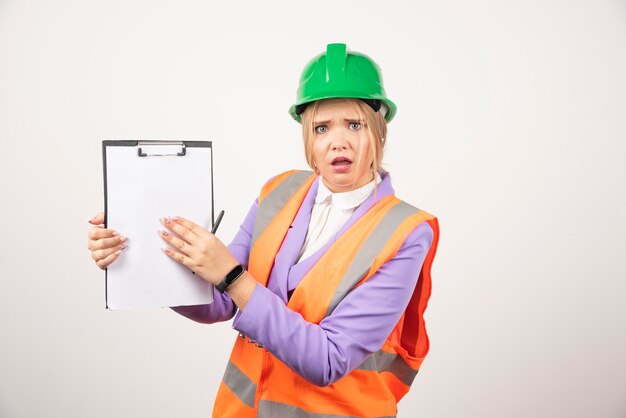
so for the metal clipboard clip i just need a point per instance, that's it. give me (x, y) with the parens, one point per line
(161, 148)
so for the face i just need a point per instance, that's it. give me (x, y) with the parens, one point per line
(341, 149)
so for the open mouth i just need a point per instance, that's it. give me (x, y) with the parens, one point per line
(341, 161)
(341, 164)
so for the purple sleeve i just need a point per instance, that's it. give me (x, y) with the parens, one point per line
(223, 308)
(359, 325)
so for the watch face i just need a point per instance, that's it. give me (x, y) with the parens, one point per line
(234, 274)
(230, 278)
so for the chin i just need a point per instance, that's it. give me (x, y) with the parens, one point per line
(338, 184)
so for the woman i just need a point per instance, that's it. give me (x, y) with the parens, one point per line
(329, 275)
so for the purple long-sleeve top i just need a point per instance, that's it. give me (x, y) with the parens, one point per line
(325, 352)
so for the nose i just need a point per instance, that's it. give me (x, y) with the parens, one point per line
(339, 142)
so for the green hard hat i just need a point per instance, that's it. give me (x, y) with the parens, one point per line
(339, 73)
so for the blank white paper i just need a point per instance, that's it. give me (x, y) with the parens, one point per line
(140, 191)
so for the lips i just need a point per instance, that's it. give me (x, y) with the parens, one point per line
(338, 161)
(341, 164)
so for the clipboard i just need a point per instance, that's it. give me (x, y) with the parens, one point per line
(145, 180)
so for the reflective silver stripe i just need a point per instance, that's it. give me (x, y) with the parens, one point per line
(271, 409)
(383, 361)
(364, 258)
(276, 200)
(240, 384)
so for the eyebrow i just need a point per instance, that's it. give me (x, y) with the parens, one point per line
(323, 122)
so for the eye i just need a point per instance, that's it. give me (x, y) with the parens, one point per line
(355, 125)
(322, 129)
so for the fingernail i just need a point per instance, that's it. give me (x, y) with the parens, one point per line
(118, 252)
(116, 234)
(175, 218)
(123, 239)
(123, 246)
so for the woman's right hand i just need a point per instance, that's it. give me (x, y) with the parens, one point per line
(105, 244)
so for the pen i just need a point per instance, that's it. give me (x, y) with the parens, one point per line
(217, 222)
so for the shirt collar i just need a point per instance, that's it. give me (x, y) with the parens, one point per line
(346, 200)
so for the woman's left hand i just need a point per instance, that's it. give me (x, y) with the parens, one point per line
(198, 249)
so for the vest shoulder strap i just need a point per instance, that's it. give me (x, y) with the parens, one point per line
(279, 203)
(273, 197)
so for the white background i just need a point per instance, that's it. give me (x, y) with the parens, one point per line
(510, 128)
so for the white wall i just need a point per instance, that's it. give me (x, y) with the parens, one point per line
(511, 129)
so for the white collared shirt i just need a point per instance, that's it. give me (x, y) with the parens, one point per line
(330, 212)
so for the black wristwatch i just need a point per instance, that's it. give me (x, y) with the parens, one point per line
(230, 278)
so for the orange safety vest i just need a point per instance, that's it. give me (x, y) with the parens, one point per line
(257, 384)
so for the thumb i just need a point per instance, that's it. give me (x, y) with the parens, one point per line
(97, 220)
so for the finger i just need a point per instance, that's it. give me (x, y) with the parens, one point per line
(105, 243)
(105, 252)
(190, 232)
(178, 243)
(105, 262)
(98, 219)
(97, 233)
(178, 257)
(197, 229)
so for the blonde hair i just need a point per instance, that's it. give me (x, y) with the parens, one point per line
(375, 129)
